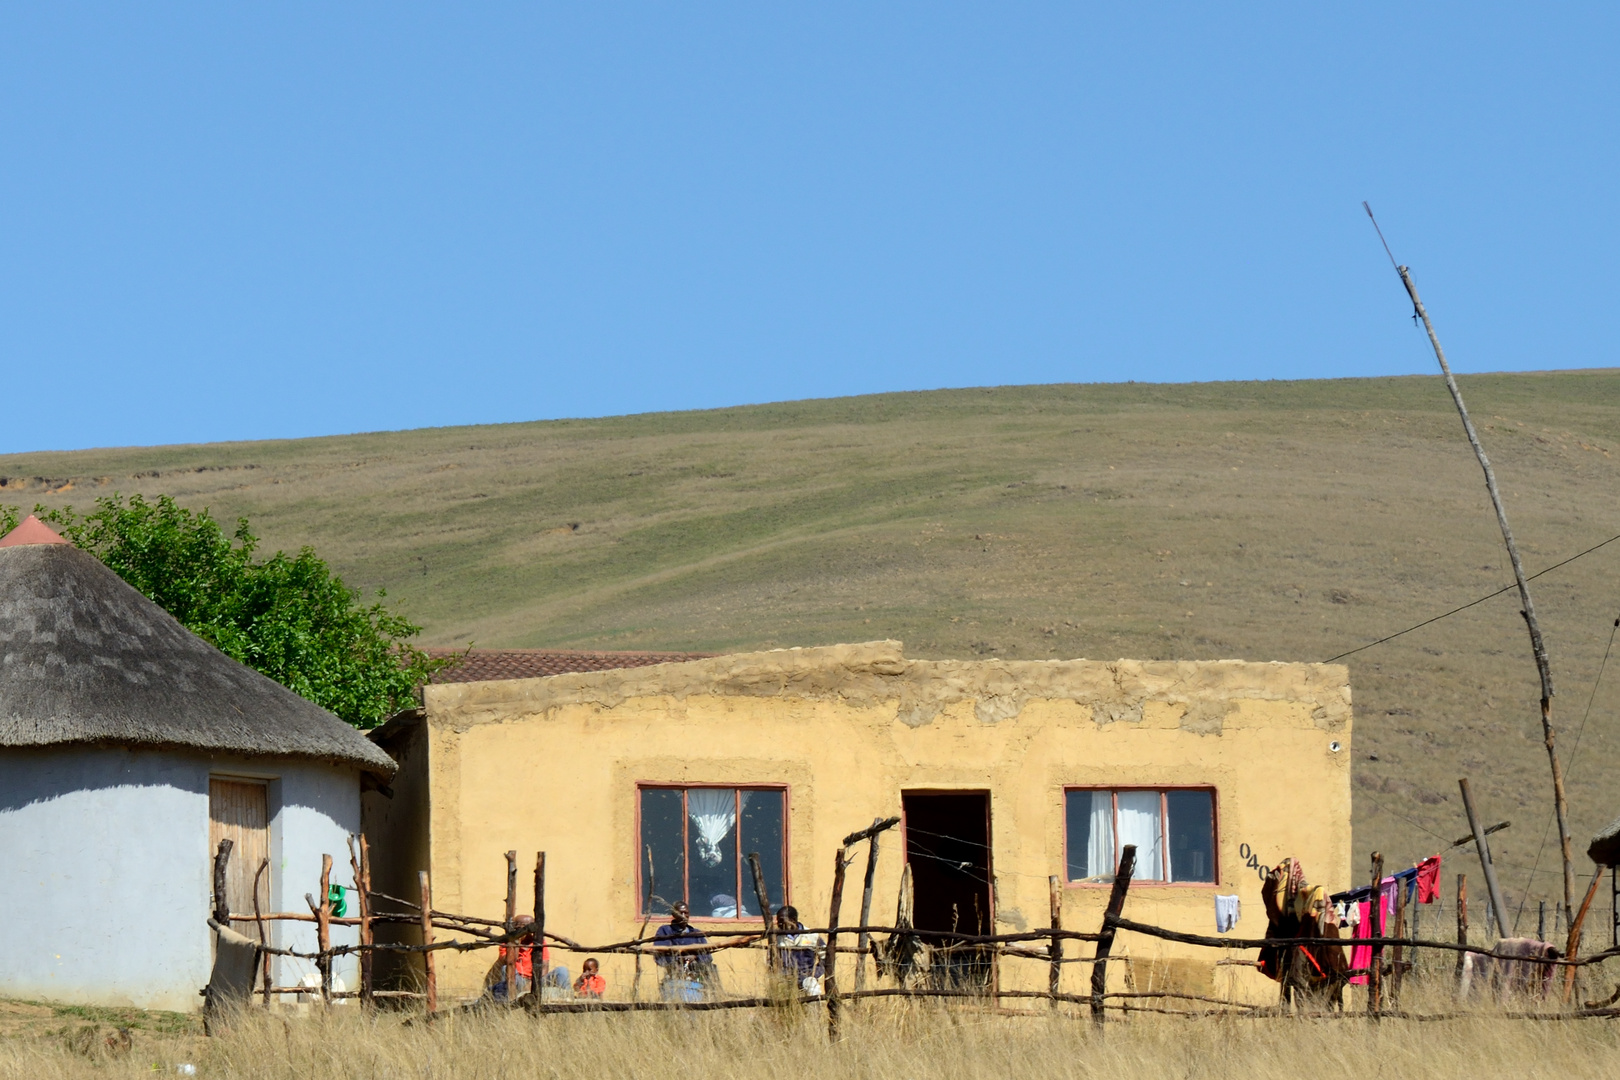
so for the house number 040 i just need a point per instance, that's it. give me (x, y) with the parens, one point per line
(1246, 853)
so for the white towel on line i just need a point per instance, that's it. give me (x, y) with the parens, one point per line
(1226, 913)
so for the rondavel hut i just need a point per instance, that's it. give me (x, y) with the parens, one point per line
(128, 748)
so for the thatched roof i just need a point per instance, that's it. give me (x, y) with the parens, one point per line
(1605, 847)
(85, 658)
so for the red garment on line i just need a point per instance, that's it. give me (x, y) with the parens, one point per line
(1428, 880)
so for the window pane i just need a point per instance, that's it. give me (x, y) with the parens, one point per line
(1090, 835)
(762, 833)
(1192, 835)
(661, 830)
(1140, 824)
(711, 851)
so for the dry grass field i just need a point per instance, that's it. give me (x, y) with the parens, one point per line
(1281, 520)
(891, 1043)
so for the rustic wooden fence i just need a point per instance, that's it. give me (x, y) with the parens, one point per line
(1046, 945)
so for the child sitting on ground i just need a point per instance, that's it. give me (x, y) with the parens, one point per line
(590, 984)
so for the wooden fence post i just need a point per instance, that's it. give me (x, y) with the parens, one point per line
(222, 908)
(262, 924)
(323, 929)
(864, 942)
(1397, 965)
(510, 951)
(1375, 976)
(1487, 867)
(537, 959)
(652, 887)
(830, 980)
(368, 934)
(1105, 936)
(1055, 949)
(1462, 926)
(430, 986)
(1572, 946)
(771, 963)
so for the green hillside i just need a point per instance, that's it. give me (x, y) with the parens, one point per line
(1280, 520)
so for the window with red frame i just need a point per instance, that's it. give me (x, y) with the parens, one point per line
(1173, 830)
(699, 838)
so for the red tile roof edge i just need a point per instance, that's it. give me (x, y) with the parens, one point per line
(488, 665)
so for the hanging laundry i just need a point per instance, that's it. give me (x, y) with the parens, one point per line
(1296, 909)
(1387, 889)
(1226, 913)
(1428, 880)
(1309, 900)
(1360, 955)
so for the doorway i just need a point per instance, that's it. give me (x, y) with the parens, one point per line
(948, 849)
(239, 811)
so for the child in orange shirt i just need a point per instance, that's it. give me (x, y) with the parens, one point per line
(590, 984)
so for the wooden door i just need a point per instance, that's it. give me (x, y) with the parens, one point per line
(238, 810)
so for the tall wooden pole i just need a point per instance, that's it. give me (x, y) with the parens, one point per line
(511, 950)
(1105, 938)
(1493, 890)
(1538, 647)
(830, 964)
(430, 984)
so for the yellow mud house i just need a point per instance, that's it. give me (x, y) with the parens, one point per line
(650, 785)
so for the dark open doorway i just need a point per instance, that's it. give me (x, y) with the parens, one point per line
(948, 848)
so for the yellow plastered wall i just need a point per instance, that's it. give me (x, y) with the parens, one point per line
(553, 764)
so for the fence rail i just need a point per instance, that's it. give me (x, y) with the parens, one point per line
(507, 935)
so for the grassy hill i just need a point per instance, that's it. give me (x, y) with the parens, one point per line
(1279, 520)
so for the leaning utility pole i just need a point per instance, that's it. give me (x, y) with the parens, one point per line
(1528, 610)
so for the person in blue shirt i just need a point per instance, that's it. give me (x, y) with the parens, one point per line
(683, 976)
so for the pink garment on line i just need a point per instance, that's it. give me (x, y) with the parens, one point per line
(1361, 955)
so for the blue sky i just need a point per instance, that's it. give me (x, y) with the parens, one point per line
(250, 221)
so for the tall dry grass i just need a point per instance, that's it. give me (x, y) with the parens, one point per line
(882, 1041)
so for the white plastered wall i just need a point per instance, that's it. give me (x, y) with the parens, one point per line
(105, 879)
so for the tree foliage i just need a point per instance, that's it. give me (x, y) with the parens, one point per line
(287, 616)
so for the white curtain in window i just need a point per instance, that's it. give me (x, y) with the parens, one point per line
(1140, 824)
(714, 814)
(1100, 837)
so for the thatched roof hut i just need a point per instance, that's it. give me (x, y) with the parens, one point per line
(85, 658)
(129, 747)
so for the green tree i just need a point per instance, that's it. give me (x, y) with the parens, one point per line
(287, 616)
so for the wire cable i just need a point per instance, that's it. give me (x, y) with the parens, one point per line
(1472, 603)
